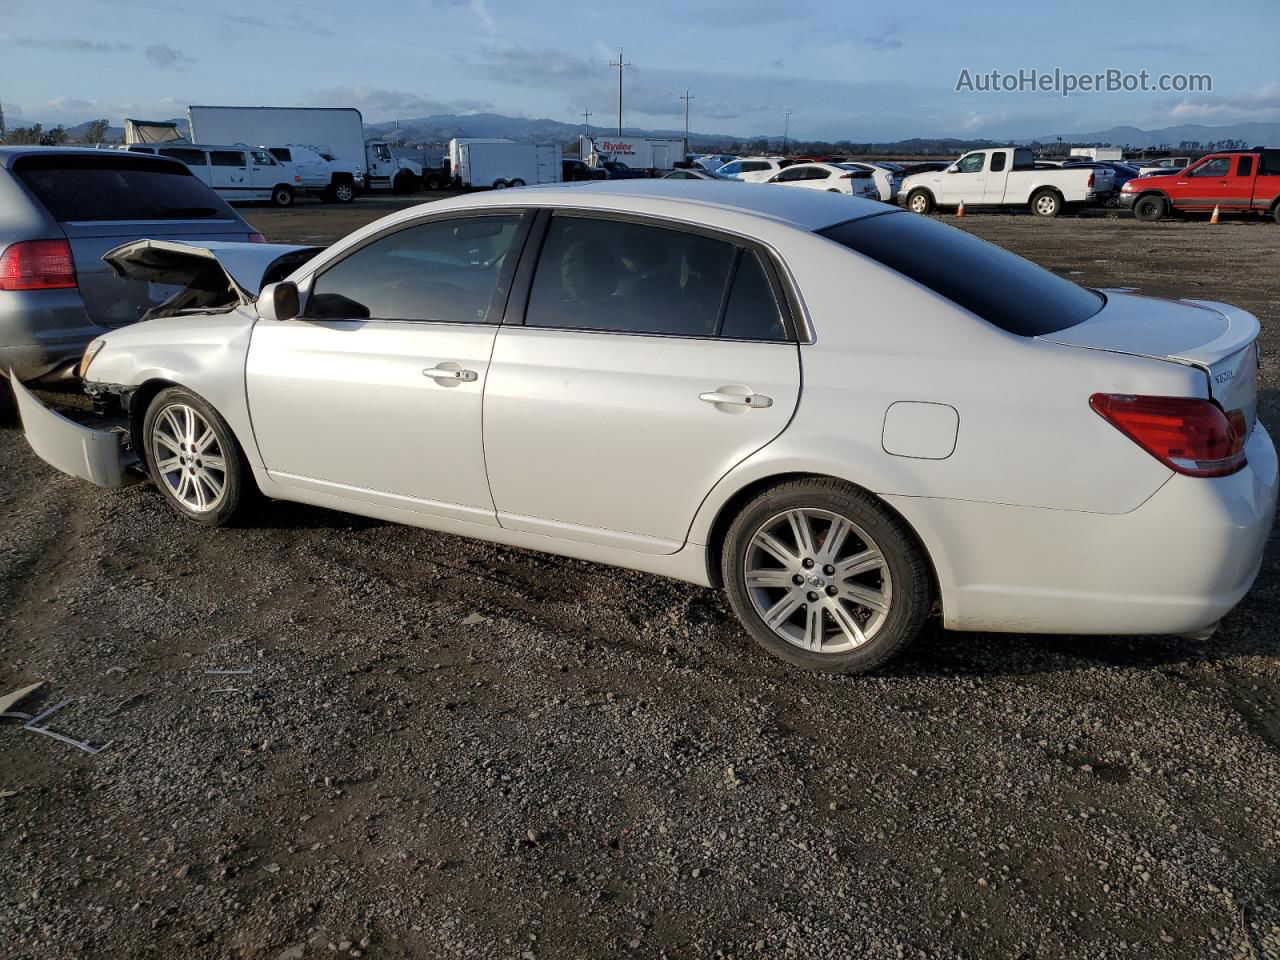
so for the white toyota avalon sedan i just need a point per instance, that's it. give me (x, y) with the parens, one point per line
(848, 416)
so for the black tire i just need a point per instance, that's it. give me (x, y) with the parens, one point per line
(910, 593)
(404, 182)
(1150, 208)
(517, 182)
(238, 490)
(282, 196)
(1275, 213)
(500, 184)
(920, 201)
(1046, 203)
(433, 181)
(8, 403)
(344, 191)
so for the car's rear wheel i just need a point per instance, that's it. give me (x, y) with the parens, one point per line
(1275, 212)
(194, 458)
(282, 196)
(824, 576)
(1046, 203)
(344, 191)
(433, 181)
(517, 182)
(1151, 208)
(920, 201)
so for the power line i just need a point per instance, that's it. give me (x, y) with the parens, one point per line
(686, 98)
(621, 65)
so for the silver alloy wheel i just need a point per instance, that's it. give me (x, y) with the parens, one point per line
(1046, 204)
(195, 470)
(919, 203)
(818, 580)
(344, 192)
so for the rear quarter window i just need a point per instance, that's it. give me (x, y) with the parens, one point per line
(1002, 288)
(101, 187)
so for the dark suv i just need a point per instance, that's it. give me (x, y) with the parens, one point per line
(61, 209)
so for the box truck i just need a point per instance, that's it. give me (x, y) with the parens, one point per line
(655, 154)
(498, 164)
(338, 131)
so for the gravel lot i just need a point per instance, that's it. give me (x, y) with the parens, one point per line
(446, 748)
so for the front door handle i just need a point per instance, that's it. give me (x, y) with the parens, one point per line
(450, 372)
(756, 401)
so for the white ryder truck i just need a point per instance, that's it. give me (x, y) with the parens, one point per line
(655, 154)
(1006, 177)
(338, 131)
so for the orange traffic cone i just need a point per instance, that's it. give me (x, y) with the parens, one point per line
(960, 209)
(1214, 218)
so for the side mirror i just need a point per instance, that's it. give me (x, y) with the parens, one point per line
(279, 301)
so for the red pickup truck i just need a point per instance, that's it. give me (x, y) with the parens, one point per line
(1235, 181)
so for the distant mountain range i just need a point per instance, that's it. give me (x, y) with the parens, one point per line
(443, 127)
(1251, 134)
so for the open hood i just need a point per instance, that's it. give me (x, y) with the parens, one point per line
(246, 267)
(215, 275)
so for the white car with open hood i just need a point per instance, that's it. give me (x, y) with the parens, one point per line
(848, 416)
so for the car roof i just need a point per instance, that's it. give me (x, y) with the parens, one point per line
(10, 154)
(807, 210)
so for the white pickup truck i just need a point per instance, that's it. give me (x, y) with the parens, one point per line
(1005, 177)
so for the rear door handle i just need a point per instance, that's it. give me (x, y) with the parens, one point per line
(450, 372)
(756, 401)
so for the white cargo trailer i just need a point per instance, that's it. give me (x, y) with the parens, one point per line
(335, 130)
(497, 164)
(638, 153)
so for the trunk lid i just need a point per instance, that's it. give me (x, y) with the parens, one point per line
(1216, 337)
(204, 276)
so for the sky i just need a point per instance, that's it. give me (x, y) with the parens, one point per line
(861, 72)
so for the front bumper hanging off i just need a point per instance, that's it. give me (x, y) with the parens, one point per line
(98, 456)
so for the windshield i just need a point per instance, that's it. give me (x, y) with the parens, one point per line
(124, 187)
(1002, 288)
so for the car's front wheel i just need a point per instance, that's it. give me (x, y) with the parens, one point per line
(1150, 208)
(194, 458)
(824, 576)
(920, 201)
(282, 196)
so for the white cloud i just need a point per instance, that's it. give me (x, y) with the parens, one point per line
(166, 57)
(1258, 105)
(377, 103)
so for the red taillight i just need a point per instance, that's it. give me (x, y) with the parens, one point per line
(257, 238)
(1091, 178)
(1189, 436)
(37, 265)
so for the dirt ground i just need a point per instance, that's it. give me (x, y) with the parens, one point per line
(441, 748)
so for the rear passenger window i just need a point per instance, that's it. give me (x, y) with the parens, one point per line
(624, 277)
(187, 156)
(997, 162)
(226, 158)
(1245, 167)
(752, 313)
(281, 154)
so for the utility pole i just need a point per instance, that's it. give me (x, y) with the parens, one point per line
(621, 65)
(1, 121)
(586, 123)
(786, 129)
(686, 98)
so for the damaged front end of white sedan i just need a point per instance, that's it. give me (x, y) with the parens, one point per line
(201, 280)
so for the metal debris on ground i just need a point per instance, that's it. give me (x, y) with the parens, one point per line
(32, 725)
